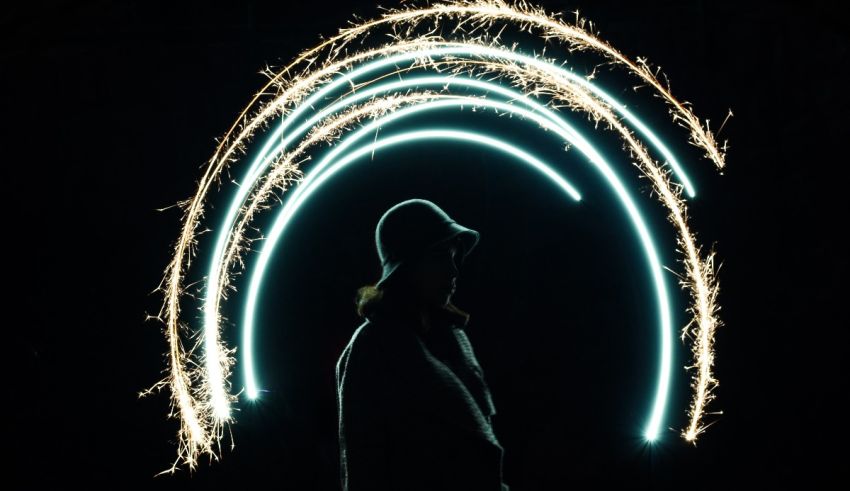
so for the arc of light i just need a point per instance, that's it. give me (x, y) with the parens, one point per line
(201, 422)
(211, 314)
(563, 129)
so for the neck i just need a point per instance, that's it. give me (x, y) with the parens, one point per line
(422, 315)
(426, 317)
(398, 304)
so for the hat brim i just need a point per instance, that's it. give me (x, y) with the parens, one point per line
(467, 238)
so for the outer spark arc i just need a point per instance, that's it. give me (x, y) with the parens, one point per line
(201, 394)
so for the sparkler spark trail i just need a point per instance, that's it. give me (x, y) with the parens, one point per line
(200, 383)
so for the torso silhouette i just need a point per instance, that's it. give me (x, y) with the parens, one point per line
(415, 412)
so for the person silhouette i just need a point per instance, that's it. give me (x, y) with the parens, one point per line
(414, 410)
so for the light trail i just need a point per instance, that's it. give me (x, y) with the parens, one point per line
(200, 385)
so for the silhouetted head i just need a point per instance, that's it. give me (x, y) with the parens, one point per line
(420, 249)
(413, 228)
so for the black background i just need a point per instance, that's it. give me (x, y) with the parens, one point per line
(110, 111)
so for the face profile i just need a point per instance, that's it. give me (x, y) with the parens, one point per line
(434, 276)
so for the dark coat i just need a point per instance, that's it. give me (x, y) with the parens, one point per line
(415, 412)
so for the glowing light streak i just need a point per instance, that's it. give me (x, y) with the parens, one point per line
(199, 385)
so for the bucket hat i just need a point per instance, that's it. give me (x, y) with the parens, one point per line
(413, 227)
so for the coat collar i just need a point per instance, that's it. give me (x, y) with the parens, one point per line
(448, 318)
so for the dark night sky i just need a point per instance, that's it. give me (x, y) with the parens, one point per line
(111, 109)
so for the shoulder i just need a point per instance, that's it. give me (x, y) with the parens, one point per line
(370, 336)
(358, 359)
(360, 339)
(374, 341)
